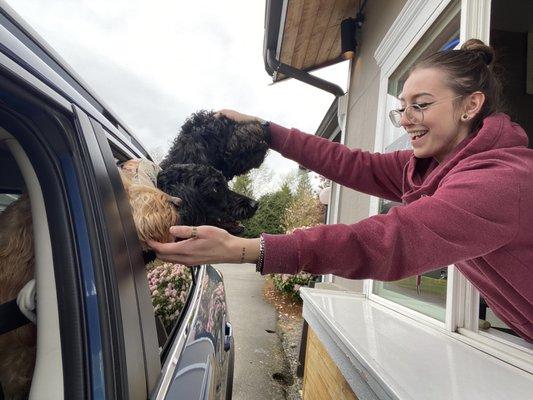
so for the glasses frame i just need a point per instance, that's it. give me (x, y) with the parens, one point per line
(396, 115)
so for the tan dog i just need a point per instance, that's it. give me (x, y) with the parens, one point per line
(154, 212)
(17, 348)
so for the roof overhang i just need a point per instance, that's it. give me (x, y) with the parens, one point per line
(304, 34)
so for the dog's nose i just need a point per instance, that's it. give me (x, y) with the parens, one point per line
(254, 205)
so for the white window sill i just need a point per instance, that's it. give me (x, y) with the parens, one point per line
(384, 355)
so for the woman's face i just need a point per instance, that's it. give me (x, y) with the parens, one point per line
(441, 129)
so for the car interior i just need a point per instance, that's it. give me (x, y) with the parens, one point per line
(22, 178)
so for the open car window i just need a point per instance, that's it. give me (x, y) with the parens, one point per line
(170, 285)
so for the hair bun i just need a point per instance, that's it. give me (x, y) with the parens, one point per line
(480, 49)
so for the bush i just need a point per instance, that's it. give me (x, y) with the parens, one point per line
(269, 216)
(291, 284)
(169, 284)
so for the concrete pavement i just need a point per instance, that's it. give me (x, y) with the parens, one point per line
(259, 358)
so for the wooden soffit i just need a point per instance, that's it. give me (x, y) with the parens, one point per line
(310, 33)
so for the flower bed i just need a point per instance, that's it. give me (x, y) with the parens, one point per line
(291, 284)
(169, 285)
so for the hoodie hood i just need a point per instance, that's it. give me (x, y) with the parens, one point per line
(497, 133)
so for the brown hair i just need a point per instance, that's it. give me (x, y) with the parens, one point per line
(469, 70)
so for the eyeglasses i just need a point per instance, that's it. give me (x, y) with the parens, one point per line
(413, 113)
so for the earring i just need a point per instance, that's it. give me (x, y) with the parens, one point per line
(464, 117)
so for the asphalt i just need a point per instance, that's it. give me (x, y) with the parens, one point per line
(260, 366)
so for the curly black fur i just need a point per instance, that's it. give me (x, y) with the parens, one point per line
(230, 147)
(206, 198)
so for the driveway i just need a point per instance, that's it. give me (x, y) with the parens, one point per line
(259, 359)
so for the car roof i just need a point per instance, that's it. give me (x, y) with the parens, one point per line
(57, 74)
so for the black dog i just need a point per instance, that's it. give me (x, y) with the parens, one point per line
(232, 148)
(206, 198)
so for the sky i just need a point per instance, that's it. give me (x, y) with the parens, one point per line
(155, 62)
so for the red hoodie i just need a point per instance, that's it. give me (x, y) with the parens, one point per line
(474, 210)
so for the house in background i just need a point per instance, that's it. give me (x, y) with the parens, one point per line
(423, 337)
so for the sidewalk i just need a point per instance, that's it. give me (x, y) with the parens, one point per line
(260, 365)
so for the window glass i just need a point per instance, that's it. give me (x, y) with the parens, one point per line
(170, 285)
(425, 293)
(488, 321)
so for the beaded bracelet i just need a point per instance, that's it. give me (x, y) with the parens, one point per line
(261, 259)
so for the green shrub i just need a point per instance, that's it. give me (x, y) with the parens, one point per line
(291, 284)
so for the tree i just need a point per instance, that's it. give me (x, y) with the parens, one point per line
(304, 186)
(262, 180)
(242, 184)
(305, 209)
(269, 217)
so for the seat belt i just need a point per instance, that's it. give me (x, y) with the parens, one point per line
(11, 317)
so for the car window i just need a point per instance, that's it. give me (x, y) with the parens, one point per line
(169, 284)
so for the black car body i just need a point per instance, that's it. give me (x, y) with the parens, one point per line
(97, 336)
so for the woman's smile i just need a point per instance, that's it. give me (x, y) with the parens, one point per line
(417, 134)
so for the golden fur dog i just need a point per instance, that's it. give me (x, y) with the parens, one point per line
(154, 212)
(17, 348)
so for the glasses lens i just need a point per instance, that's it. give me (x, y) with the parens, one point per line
(414, 114)
(395, 117)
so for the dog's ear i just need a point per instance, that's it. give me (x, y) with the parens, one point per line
(244, 150)
(176, 201)
(168, 177)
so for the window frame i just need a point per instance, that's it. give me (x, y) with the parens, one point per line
(428, 14)
(21, 108)
(442, 25)
(123, 155)
(126, 284)
(462, 298)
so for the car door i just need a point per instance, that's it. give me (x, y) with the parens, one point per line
(198, 359)
(201, 341)
(121, 272)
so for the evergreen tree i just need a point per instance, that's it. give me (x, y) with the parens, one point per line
(304, 187)
(269, 217)
(242, 184)
(305, 209)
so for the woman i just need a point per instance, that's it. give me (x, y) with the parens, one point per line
(466, 186)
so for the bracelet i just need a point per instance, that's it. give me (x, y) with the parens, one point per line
(265, 126)
(261, 259)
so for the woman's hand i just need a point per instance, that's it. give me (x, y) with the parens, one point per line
(206, 245)
(237, 116)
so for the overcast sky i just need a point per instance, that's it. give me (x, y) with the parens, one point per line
(154, 62)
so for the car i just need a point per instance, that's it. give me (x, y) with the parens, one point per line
(97, 334)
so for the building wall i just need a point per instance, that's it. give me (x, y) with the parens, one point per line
(362, 107)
